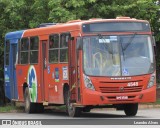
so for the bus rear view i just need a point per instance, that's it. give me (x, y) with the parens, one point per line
(118, 64)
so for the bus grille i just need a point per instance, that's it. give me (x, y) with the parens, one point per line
(120, 89)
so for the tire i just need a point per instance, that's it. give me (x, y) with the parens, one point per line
(29, 107)
(131, 109)
(70, 109)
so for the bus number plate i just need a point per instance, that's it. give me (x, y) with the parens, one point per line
(121, 97)
(132, 84)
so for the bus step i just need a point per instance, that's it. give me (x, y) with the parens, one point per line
(45, 103)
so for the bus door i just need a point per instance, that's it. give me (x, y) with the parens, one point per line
(12, 64)
(44, 73)
(7, 70)
(73, 70)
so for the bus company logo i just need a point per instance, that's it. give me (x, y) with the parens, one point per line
(32, 82)
(121, 78)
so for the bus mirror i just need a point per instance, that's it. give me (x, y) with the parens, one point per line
(72, 38)
(154, 45)
(154, 42)
(69, 38)
(79, 44)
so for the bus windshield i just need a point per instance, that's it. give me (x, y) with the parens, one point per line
(123, 55)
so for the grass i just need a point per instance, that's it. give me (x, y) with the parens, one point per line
(11, 108)
(7, 108)
(157, 102)
(61, 108)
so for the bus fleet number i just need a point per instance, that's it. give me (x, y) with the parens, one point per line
(132, 84)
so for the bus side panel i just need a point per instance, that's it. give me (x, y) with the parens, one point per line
(58, 76)
(21, 74)
(7, 82)
(39, 90)
(29, 74)
(10, 73)
(13, 81)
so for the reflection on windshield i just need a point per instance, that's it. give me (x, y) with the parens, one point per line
(106, 56)
(138, 56)
(101, 57)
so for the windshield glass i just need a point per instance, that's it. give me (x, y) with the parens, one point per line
(118, 55)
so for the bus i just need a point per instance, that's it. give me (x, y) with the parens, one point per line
(85, 64)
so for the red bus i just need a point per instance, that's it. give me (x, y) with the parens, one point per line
(86, 64)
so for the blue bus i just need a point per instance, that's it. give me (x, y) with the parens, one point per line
(10, 53)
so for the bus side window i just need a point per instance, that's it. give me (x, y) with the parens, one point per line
(34, 46)
(24, 47)
(7, 49)
(64, 47)
(53, 48)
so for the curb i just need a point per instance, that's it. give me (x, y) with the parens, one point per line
(148, 106)
(140, 106)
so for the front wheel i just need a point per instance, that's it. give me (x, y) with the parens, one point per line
(71, 110)
(131, 109)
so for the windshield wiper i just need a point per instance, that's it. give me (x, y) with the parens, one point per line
(129, 42)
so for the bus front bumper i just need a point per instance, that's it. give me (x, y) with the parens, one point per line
(97, 98)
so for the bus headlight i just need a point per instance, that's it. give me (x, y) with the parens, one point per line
(88, 83)
(151, 81)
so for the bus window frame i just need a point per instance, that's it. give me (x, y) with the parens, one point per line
(7, 52)
(37, 50)
(50, 62)
(19, 57)
(69, 36)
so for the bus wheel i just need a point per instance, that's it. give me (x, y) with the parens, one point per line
(131, 109)
(29, 107)
(71, 110)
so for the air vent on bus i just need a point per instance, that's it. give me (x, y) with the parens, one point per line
(46, 24)
(123, 17)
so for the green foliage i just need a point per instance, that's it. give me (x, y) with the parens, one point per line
(7, 108)
(11, 108)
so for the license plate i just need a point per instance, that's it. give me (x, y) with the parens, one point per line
(121, 97)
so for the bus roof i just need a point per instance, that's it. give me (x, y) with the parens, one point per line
(14, 35)
(73, 25)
